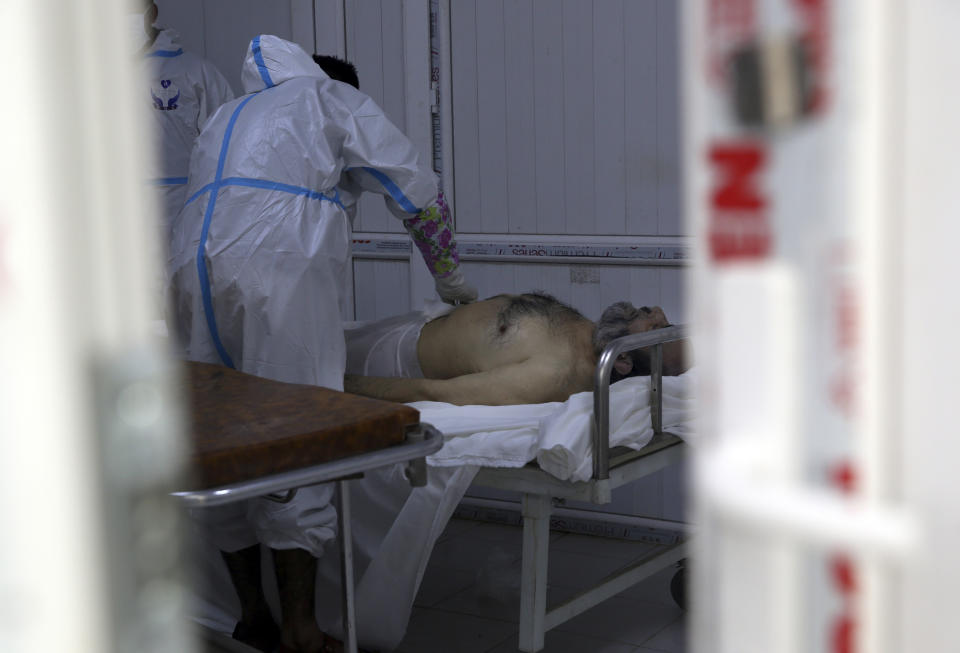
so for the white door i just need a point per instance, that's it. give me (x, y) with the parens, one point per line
(822, 195)
(89, 437)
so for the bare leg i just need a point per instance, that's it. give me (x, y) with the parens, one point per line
(256, 627)
(296, 583)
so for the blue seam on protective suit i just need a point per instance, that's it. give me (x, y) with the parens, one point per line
(199, 193)
(169, 181)
(214, 188)
(204, 231)
(168, 54)
(284, 188)
(394, 190)
(271, 185)
(261, 66)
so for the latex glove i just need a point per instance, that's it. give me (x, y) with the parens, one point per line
(454, 289)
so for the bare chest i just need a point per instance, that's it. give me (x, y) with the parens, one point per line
(457, 347)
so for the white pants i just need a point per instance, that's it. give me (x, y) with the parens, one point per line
(388, 347)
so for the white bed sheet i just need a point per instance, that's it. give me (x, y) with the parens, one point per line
(556, 435)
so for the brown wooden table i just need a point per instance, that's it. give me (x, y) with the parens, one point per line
(253, 437)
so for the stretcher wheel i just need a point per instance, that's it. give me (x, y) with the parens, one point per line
(678, 586)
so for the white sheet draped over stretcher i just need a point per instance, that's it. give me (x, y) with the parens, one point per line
(556, 435)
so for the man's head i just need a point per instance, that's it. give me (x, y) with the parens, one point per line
(338, 69)
(622, 319)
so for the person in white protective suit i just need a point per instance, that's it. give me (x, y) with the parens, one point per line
(183, 91)
(257, 272)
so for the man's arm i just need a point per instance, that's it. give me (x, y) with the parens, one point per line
(390, 388)
(529, 382)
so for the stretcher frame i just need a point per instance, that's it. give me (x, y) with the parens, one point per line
(611, 469)
(421, 441)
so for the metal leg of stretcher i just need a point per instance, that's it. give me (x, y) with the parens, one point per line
(533, 580)
(346, 567)
(535, 618)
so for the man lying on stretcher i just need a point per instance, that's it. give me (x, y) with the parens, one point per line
(508, 349)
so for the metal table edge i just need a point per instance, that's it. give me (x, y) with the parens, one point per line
(417, 446)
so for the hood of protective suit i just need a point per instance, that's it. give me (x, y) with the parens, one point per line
(168, 40)
(270, 61)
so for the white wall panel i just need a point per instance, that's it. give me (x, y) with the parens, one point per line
(220, 30)
(609, 123)
(187, 19)
(565, 117)
(519, 79)
(578, 116)
(377, 33)
(669, 179)
(303, 30)
(645, 497)
(491, 118)
(365, 48)
(643, 288)
(675, 492)
(641, 143)
(672, 294)
(329, 27)
(369, 49)
(394, 62)
(381, 288)
(548, 124)
(230, 24)
(466, 137)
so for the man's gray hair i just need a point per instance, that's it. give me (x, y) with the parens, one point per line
(614, 322)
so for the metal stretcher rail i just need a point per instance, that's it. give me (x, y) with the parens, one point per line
(540, 488)
(422, 441)
(601, 394)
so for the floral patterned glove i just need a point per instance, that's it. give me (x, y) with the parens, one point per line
(432, 232)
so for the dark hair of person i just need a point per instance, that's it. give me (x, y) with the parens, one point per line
(338, 69)
(538, 303)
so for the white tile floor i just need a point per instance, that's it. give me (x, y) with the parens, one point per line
(469, 599)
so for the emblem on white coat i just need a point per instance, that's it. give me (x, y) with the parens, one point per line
(166, 97)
